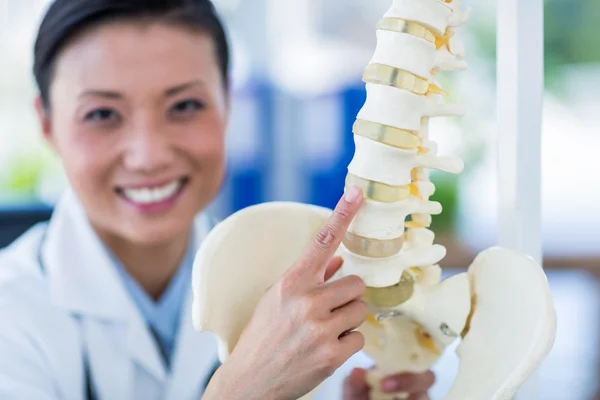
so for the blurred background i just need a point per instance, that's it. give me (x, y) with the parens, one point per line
(297, 89)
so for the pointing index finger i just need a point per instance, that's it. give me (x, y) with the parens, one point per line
(329, 238)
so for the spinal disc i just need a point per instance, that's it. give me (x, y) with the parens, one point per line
(391, 296)
(395, 77)
(389, 135)
(375, 248)
(402, 26)
(379, 191)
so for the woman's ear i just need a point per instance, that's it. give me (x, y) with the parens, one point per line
(45, 123)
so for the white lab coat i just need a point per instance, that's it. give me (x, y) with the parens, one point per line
(59, 294)
(46, 317)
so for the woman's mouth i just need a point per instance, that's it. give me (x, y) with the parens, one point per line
(151, 198)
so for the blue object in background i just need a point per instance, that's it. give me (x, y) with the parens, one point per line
(327, 186)
(285, 148)
(249, 180)
(249, 145)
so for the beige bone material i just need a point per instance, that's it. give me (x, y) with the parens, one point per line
(241, 258)
(511, 328)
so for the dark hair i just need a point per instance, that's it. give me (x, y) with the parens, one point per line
(65, 19)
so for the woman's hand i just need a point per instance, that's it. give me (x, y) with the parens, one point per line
(356, 388)
(302, 329)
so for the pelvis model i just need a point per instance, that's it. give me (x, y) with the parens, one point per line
(501, 309)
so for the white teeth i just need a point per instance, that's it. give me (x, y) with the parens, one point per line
(154, 195)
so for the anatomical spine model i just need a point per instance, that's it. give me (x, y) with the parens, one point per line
(501, 308)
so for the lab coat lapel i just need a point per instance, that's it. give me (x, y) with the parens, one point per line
(84, 282)
(195, 358)
(111, 370)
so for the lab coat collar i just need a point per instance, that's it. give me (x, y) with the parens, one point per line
(83, 281)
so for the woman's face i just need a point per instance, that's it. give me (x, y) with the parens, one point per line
(138, 116)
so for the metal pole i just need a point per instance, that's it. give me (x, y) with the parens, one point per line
(520, 72)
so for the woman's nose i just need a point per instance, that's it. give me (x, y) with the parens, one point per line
(148, 151)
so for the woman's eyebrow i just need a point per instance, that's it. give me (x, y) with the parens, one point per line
(178, 89)
(101, 93)
(117, 96)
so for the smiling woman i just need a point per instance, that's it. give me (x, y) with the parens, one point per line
(134, 99)
(143, 147)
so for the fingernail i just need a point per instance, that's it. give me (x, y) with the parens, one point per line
(352, 194)
(357, 377)
(356, 372)
(389, 385)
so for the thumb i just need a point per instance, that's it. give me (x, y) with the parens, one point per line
(315, 261)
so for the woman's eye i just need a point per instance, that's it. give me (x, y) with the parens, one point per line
(188, 106)
(102, 115)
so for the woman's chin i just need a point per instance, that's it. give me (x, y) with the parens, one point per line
(156, 233)
(157, 228)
